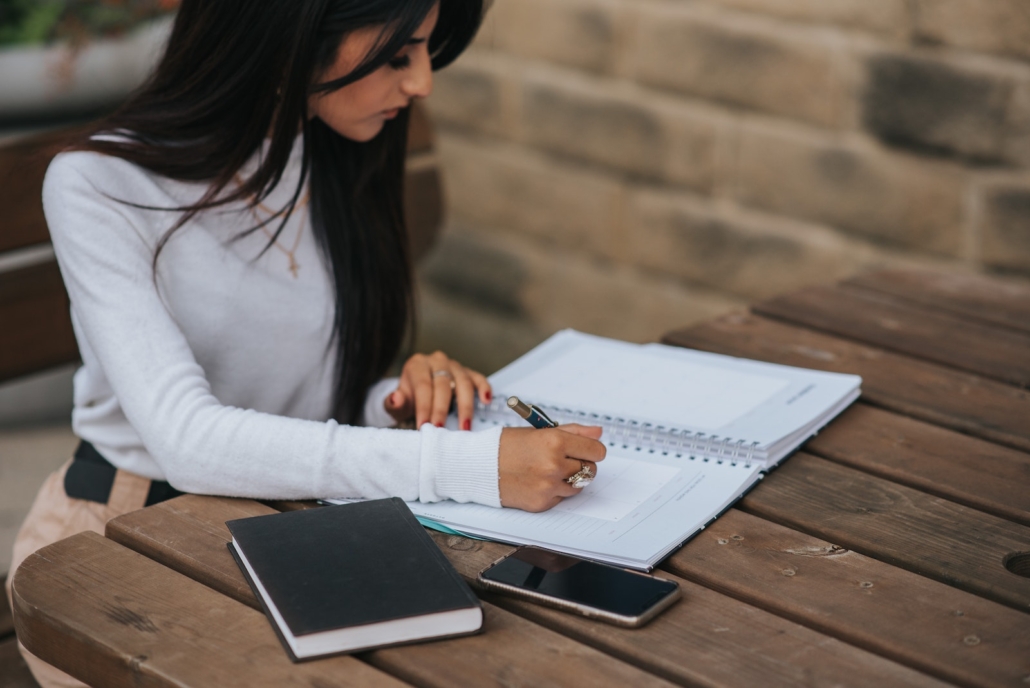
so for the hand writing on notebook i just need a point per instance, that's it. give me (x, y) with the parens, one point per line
(426, 386)
(534, 465)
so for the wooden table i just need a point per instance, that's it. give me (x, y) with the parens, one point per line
(893, 550)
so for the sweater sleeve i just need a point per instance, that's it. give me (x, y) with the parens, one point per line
(201, 445)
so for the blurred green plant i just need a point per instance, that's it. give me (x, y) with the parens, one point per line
(74, 21)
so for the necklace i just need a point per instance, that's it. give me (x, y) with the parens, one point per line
(294, 266)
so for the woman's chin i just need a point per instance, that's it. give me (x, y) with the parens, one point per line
(361, 133)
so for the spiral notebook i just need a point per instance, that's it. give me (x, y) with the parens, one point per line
(687, 432)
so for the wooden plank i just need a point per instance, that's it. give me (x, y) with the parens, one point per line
(953, 635)
(14, 672)
(928, 391)
(964, 469)
(707, 639)
(701, 640)
(37, 330)
(510, 650)
(22, 166)
(933, 537)
(892, 324)
(112, 617)
(975, 297)
(188, 534)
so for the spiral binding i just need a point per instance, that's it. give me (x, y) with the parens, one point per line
(641, 436)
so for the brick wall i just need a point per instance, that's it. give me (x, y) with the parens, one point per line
(628, 166)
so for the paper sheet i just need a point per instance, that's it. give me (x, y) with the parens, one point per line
(620, 487)
(671, 499)
(637, 384)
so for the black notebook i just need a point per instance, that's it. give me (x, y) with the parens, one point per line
(352, 577)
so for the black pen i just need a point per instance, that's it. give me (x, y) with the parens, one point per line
(537, 418)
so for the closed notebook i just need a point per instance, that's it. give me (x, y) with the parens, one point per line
(352, 577)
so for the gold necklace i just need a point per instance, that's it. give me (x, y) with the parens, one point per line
(294, 266)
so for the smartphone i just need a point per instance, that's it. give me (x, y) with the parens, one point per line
(599, 591)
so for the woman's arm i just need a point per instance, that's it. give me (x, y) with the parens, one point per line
(202, 445)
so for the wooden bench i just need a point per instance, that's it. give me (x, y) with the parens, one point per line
(36, 333)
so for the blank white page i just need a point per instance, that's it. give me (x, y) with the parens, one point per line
(621, 486)
(626, 380)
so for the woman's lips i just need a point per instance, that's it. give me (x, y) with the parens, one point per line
(390, 114)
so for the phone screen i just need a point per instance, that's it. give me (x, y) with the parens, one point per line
(576, 580)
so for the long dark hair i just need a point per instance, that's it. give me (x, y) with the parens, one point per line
(235, 70)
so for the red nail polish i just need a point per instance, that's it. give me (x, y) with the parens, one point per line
(466, 424)
(489, 396)
(439, 425)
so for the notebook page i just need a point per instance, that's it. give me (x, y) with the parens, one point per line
(735, 400)
(633, 383)
(631, 530)
(808, 400)
(621, 487)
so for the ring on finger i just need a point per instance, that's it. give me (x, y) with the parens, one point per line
(445, 373)
(583, 477)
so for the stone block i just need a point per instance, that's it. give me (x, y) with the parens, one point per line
(885, 17)
(477, 337)
(995, 26)
(477, 274)
(620, 126)
(740, 61)
(1005, 225)
(568, 289)
(511, 188)
(852, 184)
(617, 301)
(752, 255)
(577, 33)
(473, 93)
(564, 288)
(936, 104)
(1017, 141)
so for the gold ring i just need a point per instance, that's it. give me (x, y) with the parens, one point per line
(581, 478)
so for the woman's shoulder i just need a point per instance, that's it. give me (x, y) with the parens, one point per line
(103, 172)
(95, 177)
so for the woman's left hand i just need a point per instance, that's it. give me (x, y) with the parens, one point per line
(427, 385)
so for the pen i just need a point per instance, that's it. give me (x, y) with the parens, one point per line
(533, 414)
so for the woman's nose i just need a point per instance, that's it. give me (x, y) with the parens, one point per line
(418, 82)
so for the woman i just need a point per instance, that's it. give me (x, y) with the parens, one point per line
(234, 249)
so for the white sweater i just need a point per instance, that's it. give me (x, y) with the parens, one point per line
(216, 374)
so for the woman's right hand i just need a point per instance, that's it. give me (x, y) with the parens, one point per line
(534, 464)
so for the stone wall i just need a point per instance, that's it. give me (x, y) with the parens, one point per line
(629, 166)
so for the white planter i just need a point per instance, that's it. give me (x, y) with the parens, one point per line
(52, 80)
